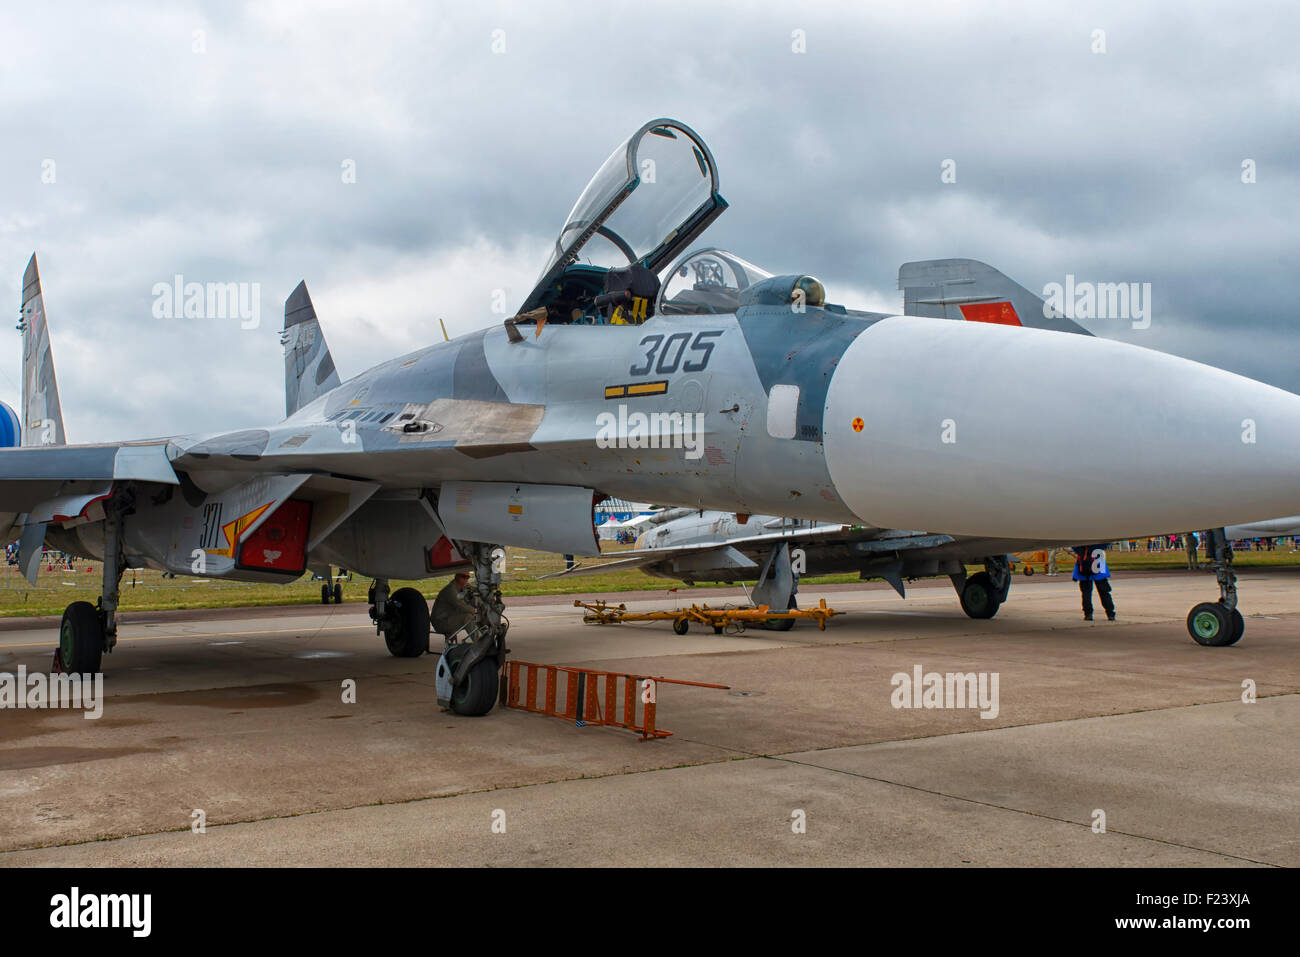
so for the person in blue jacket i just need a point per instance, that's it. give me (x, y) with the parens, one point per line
(1090, 569)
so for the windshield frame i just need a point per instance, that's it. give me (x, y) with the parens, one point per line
(604, 194)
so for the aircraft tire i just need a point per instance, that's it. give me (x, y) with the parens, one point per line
(324, 594)
(408, 636)
(338, 593)
(81, 639)
(475, 696)
(1212, 625)
(979, 599)
(782, 624)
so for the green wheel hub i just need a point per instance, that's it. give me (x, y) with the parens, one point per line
(1206, 624)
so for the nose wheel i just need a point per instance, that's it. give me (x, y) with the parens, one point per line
(1217, 624)
(983, 593)
(1211, 623)
(467, 676)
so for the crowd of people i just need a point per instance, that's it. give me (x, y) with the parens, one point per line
(62, 560)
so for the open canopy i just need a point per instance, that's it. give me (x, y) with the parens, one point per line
(654, 195)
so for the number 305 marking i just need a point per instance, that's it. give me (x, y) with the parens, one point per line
(674, 350)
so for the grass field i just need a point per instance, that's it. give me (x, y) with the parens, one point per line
(143, 589)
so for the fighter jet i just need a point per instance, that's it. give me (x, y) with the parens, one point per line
(774, 552)
(1288, 527)
(721, 386)
(714, 546)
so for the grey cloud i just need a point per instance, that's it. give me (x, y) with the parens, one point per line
(225, 165)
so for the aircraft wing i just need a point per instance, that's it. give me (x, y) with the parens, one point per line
(37, 474)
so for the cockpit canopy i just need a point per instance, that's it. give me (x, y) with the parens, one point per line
(707, 282)
(654, 195)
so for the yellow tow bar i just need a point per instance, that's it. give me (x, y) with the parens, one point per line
(719, 619)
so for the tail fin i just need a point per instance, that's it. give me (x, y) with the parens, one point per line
(42, 415)
(308, 366)
(975, 291)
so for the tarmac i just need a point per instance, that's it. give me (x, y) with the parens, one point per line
(237, 719)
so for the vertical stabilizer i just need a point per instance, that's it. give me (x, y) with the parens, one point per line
(966, 289)
(308, 366)
(42, 417)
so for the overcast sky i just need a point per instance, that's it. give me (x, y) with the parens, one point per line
(209, 140)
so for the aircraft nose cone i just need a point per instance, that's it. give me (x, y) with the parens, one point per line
(977, 429)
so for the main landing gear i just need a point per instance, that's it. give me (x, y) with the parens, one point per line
(402, 618)
(87, 632)
(1218, 623)
(983, 593)
(468, 674)
(776, 588)
(332, 593)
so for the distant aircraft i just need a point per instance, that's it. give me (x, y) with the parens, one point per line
(721, 386)
(1274, 528)
(775, 552)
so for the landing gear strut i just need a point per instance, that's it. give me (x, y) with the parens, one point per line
(402, 618)
(983, 593)
(776, 588)
(1218, 623)
(469, 671)
(89, 631)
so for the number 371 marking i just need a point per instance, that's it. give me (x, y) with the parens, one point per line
(664, 354)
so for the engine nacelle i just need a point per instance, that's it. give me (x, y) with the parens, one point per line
(549, 518)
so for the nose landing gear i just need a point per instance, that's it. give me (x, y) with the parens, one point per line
(983, 593)
(468, 676)
(1218, 623)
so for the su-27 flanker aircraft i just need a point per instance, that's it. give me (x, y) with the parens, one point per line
(774, 551)
(501, 437)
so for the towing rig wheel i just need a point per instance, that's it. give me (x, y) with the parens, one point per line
(81, 639)
(408, 633)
